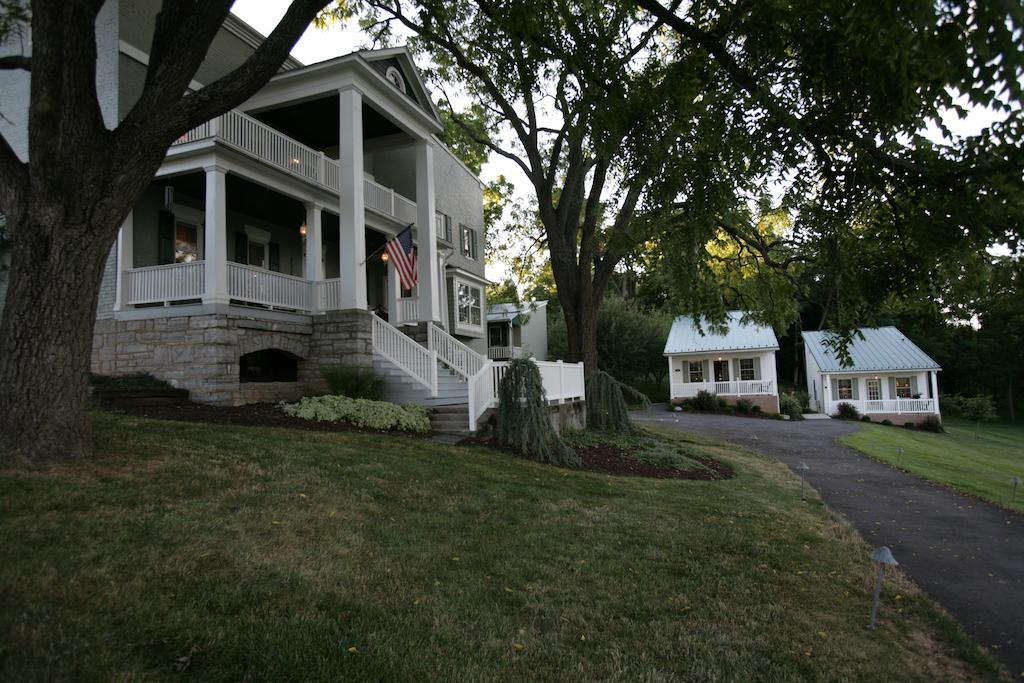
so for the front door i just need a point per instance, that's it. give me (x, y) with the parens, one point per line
(721, 371)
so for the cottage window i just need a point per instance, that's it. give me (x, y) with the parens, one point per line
(470, 305)
(747, 369)
(845, 389)
(874, 390)
(469, 242)
(443, 226)
(903, 387)
(696, 371)
(186, 243)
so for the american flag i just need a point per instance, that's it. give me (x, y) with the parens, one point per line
(401, 251)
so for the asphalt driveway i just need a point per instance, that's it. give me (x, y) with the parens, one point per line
(965, 553)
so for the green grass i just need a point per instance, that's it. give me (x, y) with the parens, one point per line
(981, 466)
(247, 553)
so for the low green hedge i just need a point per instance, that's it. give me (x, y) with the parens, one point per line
(361, 412)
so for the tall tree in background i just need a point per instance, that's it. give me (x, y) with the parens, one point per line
(669, 124)
(64, 205)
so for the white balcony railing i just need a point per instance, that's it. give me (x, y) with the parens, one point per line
(504, 352)
(255, 285)
(737, 388)
(259, 140)
(893, 406)
(408, 311)
(163, 284)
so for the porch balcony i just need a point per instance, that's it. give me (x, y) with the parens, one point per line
(504, 352)
(256, 139)
(896, 406)
(758, 387)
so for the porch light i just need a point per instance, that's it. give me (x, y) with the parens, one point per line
(295, 161)
(384, 256)
(303, 229)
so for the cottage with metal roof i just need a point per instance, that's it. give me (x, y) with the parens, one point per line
(886, 376)
(734, 363)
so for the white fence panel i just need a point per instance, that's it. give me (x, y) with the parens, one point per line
(171, 282)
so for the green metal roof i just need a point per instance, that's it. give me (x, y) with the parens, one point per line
(686, 337)
(881, 349)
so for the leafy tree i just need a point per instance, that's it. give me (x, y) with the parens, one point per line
(504, 292)
(64, 205)
(977, 409)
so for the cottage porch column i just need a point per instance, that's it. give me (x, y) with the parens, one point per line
(125, 260)
(215, 253)
(934, 379)
(426, 239)
(352, 219)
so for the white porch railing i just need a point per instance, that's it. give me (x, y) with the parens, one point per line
(417, 361)
(329, 294)
(259, 140)
(163, 284)
(894, 406)
(255, 285)
(562, 382)
(737, 388)
(408, 311)
(504, 352)
(453, 353)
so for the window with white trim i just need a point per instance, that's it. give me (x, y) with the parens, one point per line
(844, 387)
(470, 305)
(903, 388)
(696, 371)
(443, 226)
(747, 369)
(468, 242)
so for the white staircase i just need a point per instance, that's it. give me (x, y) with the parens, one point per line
(401, 388)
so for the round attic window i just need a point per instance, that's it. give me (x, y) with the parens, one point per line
(394, 76)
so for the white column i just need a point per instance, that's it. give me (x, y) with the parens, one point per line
(215, 253)
(313, 266)
(934, 378)
(394, 294)
(426, 240)
(125, 259)
(352, 219)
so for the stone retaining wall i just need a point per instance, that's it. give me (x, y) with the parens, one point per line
(201, 352)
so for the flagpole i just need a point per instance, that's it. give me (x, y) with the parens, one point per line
(375, 251)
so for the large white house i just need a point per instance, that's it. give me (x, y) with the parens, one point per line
(254, 259)
(736, 363)
(887, 376)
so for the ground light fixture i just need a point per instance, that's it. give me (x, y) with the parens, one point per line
(883, 556)
(1016, 482)
(801, 468)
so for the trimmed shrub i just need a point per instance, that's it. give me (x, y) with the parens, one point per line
(865, 418)
(789, 404)
(887, 423)
(744, 406)
(932, 423)
(805, 401)
(755, 409)
(361, 412)
(847, 411)
(909, 425)
(705, 402)
(354, 382)
(523, 421)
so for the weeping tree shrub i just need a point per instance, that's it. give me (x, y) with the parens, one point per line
(606, 406)
(523, 421)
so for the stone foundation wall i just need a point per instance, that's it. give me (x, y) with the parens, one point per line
(769, 404)
(900, 420)
(201, 353)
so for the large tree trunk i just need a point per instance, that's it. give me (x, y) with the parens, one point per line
(46, 335)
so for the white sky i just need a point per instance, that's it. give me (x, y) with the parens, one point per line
(317, 45)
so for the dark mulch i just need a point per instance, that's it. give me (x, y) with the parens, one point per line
(615, 460)
(251, 415)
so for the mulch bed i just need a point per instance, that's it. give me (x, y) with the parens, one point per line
(618, 461)
(251, 415)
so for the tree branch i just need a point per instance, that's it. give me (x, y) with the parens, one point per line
(16, 62)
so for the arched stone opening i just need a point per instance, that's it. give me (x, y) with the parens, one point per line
(268, 365)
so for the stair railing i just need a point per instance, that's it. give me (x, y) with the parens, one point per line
(460, 358)
(418, 362)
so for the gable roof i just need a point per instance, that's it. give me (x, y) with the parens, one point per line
(881, 349)
(401, 58)
(685, 337)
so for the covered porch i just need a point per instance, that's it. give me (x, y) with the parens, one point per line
(893, 393)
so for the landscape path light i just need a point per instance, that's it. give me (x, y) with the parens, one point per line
(1016, 482)
(883, 556)
(801, 468)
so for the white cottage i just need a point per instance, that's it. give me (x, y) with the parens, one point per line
(739, 363)
(888, 376)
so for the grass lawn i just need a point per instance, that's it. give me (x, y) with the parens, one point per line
(981, 466)
(237, 552)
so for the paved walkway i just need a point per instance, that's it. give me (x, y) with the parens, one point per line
(965, 553)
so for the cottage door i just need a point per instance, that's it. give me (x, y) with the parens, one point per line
(721, 371)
